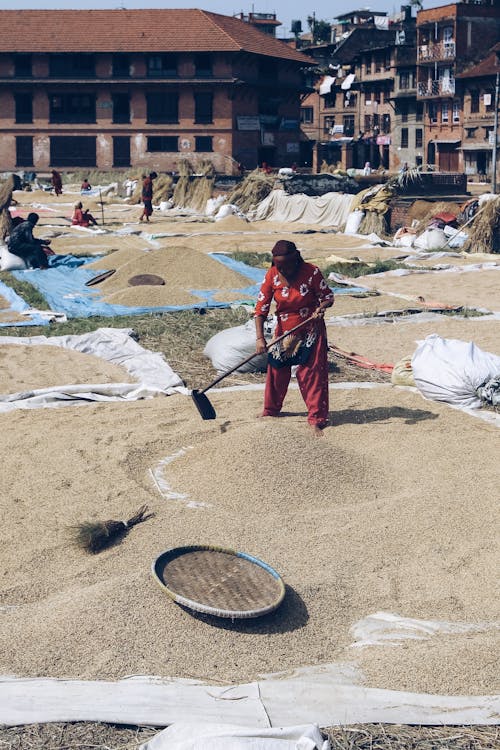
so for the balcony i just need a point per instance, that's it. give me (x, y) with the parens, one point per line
(436, 52)
(443, 87)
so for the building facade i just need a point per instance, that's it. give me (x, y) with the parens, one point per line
(450, 38)
(144, 88)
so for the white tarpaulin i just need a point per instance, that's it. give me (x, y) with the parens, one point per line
(331, 209)
(226, 737)
(451, 370)
(326, 85)
(153, 374)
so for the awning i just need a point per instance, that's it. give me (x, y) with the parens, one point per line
(446, 142)
(477, 147)
(326, 85)
(349, 80)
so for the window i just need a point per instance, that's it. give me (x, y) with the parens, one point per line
(368, 123)
(72, 151)
(419, 138)
(404, 137)
(203, 107)
(121, 108)
(163, 143)
(386, 124)
(24, 151)
(72, 108)
(471, 132)
(203, 64)
(164, 66)
(419, 112)
(71, 66)
(329, 123)
(121, 151)
(403, 108)
(456, 111)
(24, 108)
(404, 80)
(376, 121)
(329, 100)
(433, 114)
(306, 115)
(203, 143)
(474, 101)
(162, 107)
(488, 101)
(121, 66)
(22, 66)
(445, 112)
(349, 125)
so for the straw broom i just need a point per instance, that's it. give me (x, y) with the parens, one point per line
(94, 536)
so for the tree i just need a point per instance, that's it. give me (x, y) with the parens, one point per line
(321, 30)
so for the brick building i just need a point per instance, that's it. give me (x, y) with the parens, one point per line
(119, 88)
(478, 87)
(450, 38)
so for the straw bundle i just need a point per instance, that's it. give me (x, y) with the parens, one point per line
(201, 187)
(484, 237)
(181, 190)
(6, 190)
(374, 222)
(255, 187)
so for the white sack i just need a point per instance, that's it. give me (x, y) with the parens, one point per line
(405, 239)
(227, 348)
(354, 222)
(213, 204)
(451, 370)
(431, 239)
(188, 736)
(9, 261)
(224, 212)
(166, 205)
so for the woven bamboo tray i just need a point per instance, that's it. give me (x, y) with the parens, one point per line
(219, 581)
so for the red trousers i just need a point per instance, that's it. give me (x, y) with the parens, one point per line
(312, 378)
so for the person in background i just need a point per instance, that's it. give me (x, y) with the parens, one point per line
(82, 217)
(299, 291)
(56, 181)
(22, 243)
(85, 185)
(266, 168)
(367, 169)
(147, 196)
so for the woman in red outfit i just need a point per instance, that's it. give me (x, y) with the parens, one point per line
(300, 292)
(56, 182)
(81, 217)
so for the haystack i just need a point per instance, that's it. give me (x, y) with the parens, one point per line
(484, 235)
(423, 211)
(255, 187)
(6, 190)
(163, 188)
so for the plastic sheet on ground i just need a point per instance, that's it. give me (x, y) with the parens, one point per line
(331, 209)
(63, 287)
(188, 736)
(154, 375)
(450, 370)
(18, 306)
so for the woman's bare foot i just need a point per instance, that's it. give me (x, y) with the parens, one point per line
(317, 429)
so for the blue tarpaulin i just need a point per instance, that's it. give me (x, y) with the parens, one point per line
(17, 305)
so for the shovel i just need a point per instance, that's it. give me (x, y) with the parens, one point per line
(203, 405)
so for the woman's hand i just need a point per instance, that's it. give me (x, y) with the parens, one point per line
(261, 345)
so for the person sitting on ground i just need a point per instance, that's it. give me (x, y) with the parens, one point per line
(56, 181)
(147, 196)
(82, 217)
(85, 185)
(22, 243)
(300, 292)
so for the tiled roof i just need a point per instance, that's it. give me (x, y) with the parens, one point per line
(147, 30)
(488, 66)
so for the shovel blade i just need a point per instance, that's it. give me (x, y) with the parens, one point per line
(203, 405)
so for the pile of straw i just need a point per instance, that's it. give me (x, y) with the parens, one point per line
(255, 187)
(484, 236)
(163, 188)
(423, 211)
(193, 190)
(6, 190)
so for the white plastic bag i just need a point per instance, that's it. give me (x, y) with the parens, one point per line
(354, 222)
(451, 370)
(224, 212)
(431, 239)
(227, 348)
(9, 261)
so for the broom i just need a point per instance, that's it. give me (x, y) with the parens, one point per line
(94, 536)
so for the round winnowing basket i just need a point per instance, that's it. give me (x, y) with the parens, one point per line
(219, 581)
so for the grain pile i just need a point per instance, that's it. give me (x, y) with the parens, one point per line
(352, 528)
(423, 211)
(182, 269)
(24, 367)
